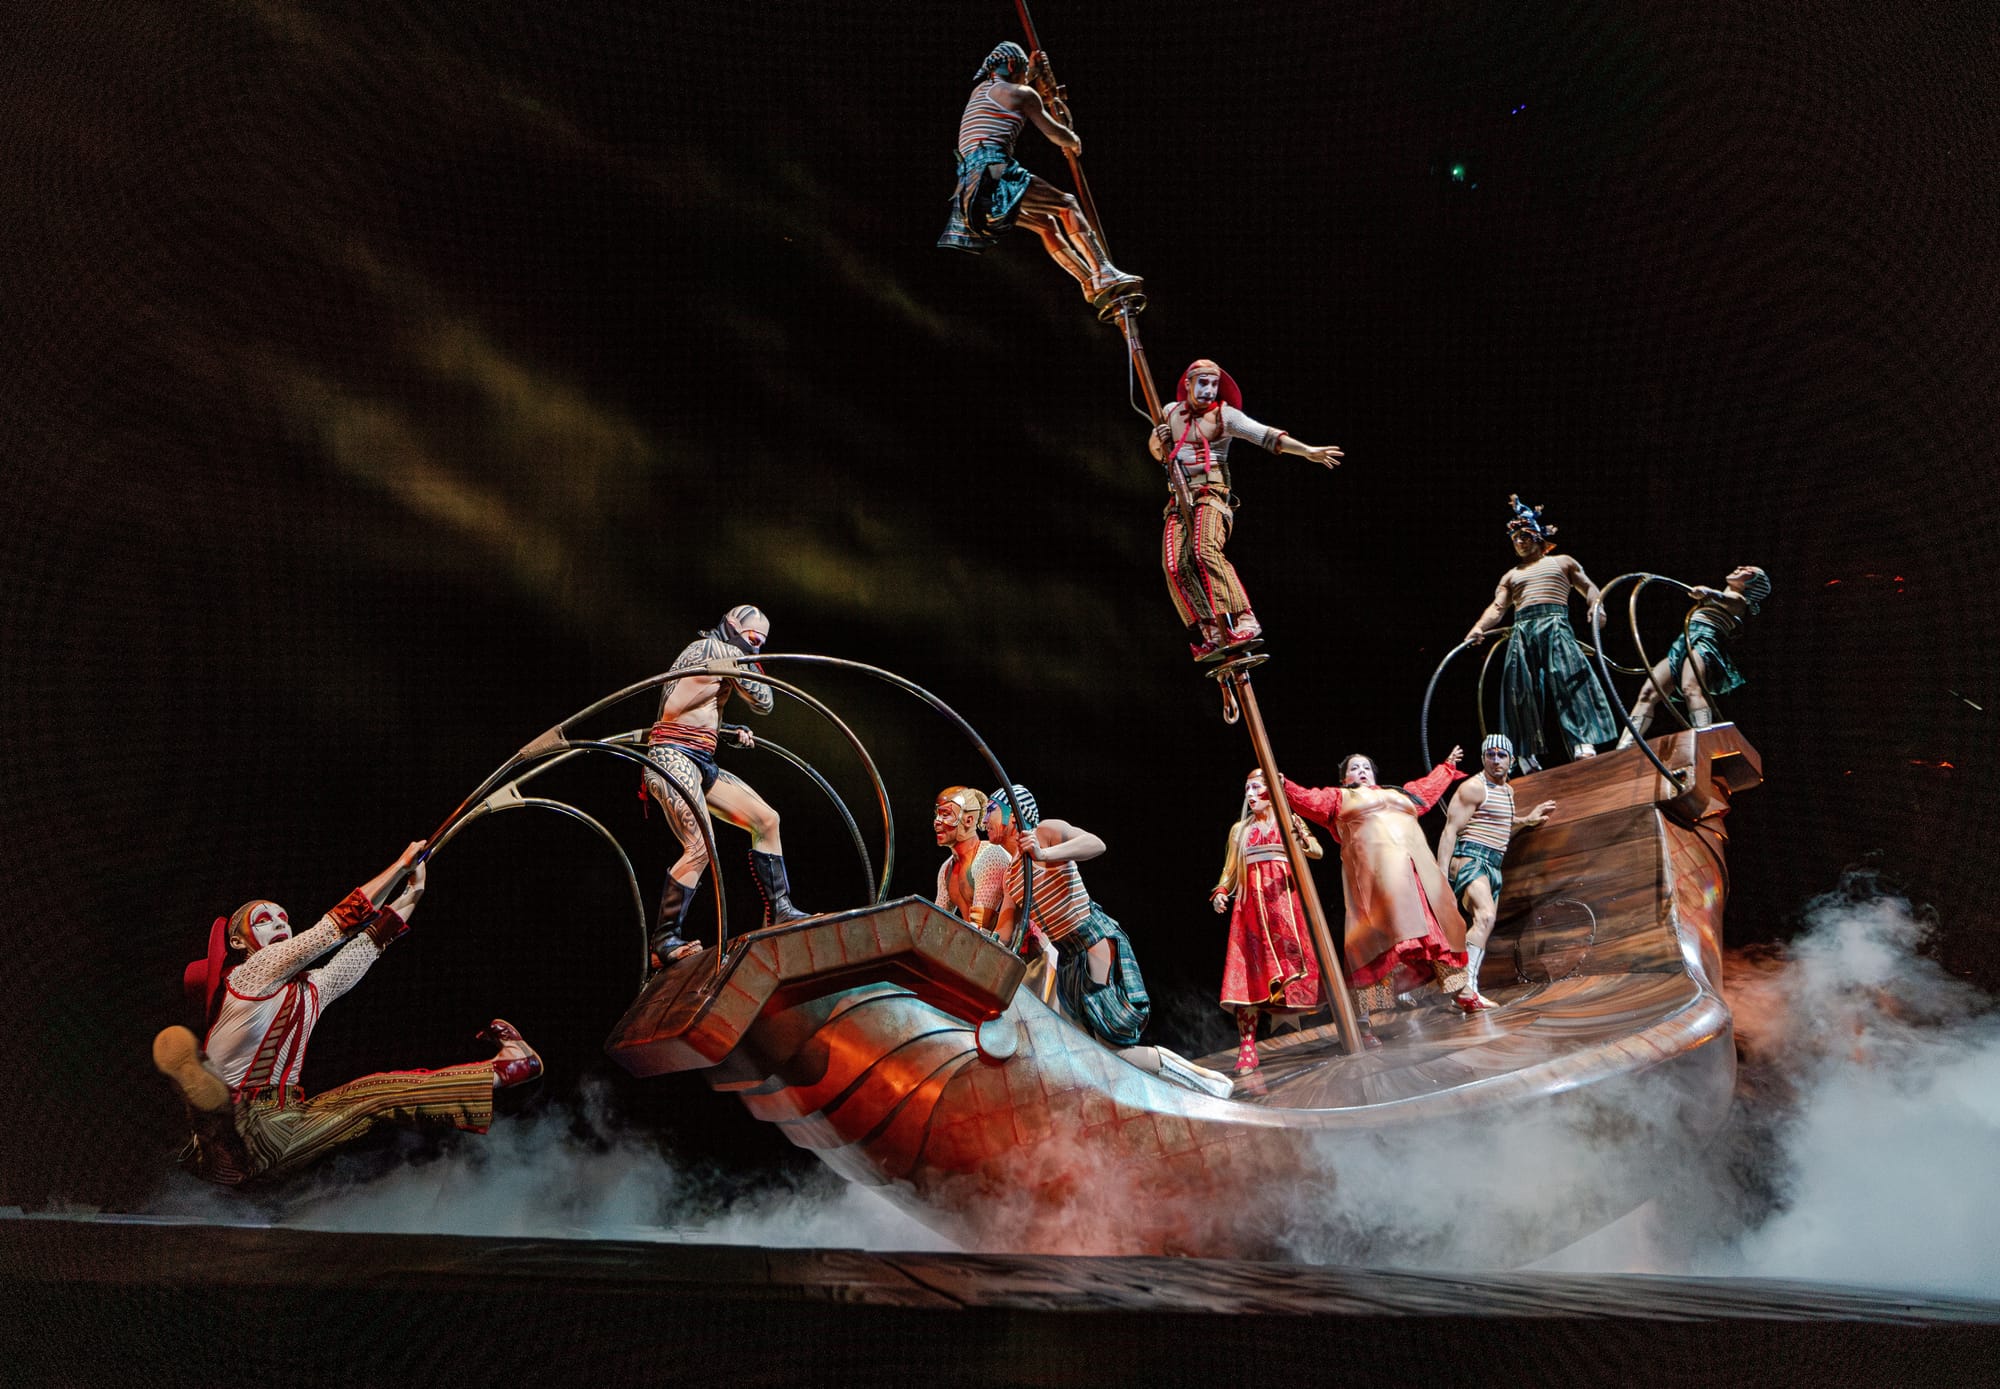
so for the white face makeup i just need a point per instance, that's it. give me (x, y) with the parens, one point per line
(267, 925)
(1498, 762)
(1257, 793)
(1204, 388)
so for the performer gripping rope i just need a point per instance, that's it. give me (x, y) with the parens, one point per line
(1718, 616)
(1479, 825)
(1193, 439)
(994, 192)
(1544, 666)
(1269, 966)
(1098, 980)
(1403, 928)
(682, 745)
(261, 1003)
(970, 880)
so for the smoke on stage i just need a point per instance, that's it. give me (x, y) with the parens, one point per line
(1866, 1122)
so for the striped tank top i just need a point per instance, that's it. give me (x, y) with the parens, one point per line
(1540, 582)
(1493, 823)
(987, 122)
(1061, 902)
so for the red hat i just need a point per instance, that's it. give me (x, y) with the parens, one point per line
(1230, 395)
(202, 978)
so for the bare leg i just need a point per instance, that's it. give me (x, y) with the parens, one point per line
(1701, 713)
(1647, 704)
(733, 801)
(1069, 238)
(1478, 896)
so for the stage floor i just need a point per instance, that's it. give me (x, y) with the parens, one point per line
(123, 1300)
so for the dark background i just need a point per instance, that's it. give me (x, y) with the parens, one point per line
(382, 383)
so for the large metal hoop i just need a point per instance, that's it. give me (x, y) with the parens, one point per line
(1505, 635)
(1424, 719)
(846, 816)
(536, 759)
(557, 738)
(1618, 703)
(889, 677)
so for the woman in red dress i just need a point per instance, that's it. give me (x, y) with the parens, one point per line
(1270, 966)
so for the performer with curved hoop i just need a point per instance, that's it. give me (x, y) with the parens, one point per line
(681, 745)
(995, 192)
(1544, 667)
(1269, 965)
(1697, 665)
(260, 1003)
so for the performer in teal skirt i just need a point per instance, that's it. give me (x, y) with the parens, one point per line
(1718, 615)
(1544, 673)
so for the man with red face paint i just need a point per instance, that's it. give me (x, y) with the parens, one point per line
(1192, 440)
(260, 1003)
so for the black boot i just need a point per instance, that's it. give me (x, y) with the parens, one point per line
(675, 900)
(777, 890)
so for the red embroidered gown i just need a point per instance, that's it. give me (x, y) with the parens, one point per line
(1270, 962)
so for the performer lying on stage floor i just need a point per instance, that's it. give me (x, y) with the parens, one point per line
(682, 744)
(1544, 667)
(1403, 929)
(1269, 966)
(260, 1003)
(1478, 826)
(994, 191)
(1098, 981)
(1718, 616)
(1192, 439)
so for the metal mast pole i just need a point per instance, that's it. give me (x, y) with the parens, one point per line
(1234, 674)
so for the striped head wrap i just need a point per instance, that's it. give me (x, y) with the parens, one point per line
(1757, 588)
(1010, 60)
(1497, 740)
(1031, 814)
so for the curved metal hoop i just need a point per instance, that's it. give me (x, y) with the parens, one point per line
(556, 739)
(889, 677)
(1646, 664)
(555, 742)
(1424, 718)
(494, 804)
(1505, 635)
(846, 816)
(1618, 703)
(535, 760)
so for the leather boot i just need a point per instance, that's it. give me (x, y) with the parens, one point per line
(675, 900)
(777, 889)
(518, 1070)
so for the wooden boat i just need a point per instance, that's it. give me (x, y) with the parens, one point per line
(897, 1044)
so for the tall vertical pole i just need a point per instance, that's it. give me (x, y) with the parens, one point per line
(1332, 979)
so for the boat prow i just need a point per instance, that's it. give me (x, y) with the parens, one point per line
(896, 1043)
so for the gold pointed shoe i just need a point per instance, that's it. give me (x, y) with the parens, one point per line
(177, 1056)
